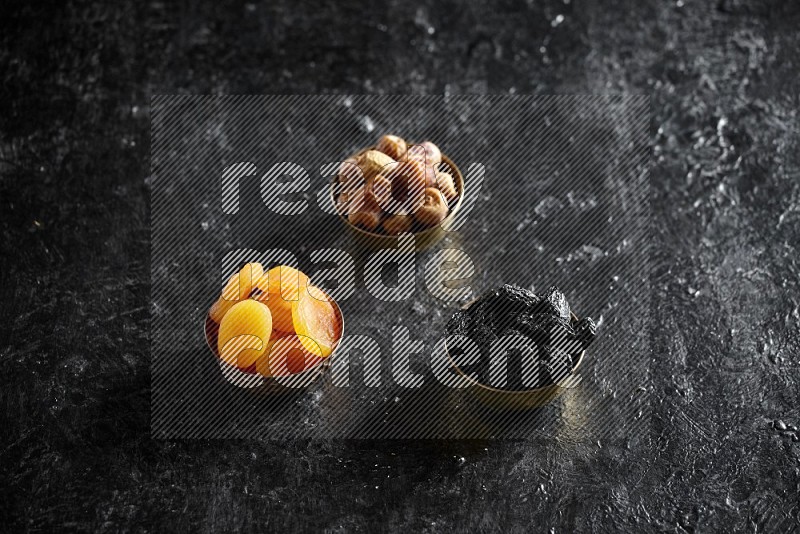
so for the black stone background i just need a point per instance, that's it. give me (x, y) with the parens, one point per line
(723, 451)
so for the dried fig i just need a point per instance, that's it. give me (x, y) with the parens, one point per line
(372, 162)
(426, 152)
(380, 188)
(408, 185)
(364, 210)
(433, 209)
(393, 146)
(350, 174)
(446, 184)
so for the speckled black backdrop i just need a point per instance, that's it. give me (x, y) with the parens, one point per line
(75, 452)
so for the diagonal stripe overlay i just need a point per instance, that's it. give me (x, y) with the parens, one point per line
(560, 196)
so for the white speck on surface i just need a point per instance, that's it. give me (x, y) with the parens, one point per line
(366, 123)
(547, 206)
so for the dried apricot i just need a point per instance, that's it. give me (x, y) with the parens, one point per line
(316, 322)
(286, 355)
(238, 288)
(244, 333)
(280, 287)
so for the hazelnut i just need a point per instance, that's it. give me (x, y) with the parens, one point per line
(446, 184)
(426, 152)
(364, 210)
(408, 185)
(373, 162)
(433, 209)
(398, 224)
(393, 146)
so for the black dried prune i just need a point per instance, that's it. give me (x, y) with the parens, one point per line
(545, 321)
(585, 331)
(458, 325)
(555, 303)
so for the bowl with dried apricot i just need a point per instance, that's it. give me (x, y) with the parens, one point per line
(274, 324)
(398, 187)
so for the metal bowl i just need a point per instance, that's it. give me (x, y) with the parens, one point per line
(527, 399)
(422, 239)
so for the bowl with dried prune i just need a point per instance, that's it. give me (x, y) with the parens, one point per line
(396, 187)
(517, 349)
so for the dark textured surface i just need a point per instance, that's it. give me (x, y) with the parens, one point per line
(722, 452)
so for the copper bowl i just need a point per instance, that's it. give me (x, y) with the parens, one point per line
(422, 239)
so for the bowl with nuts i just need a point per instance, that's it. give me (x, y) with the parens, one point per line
(396, 187)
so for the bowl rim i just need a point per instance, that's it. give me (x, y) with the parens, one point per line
(460, 187)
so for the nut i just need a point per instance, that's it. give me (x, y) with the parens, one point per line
(433, 209)
(398, 224)
(372, 162)
(426, 152)
(393, 146)
(446, 184)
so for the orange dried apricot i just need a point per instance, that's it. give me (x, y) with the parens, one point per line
(286, 355)
(238, 288)
(316, 322)
(244, 333)
(281, 286)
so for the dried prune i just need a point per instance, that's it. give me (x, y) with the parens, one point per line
(555, 342)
